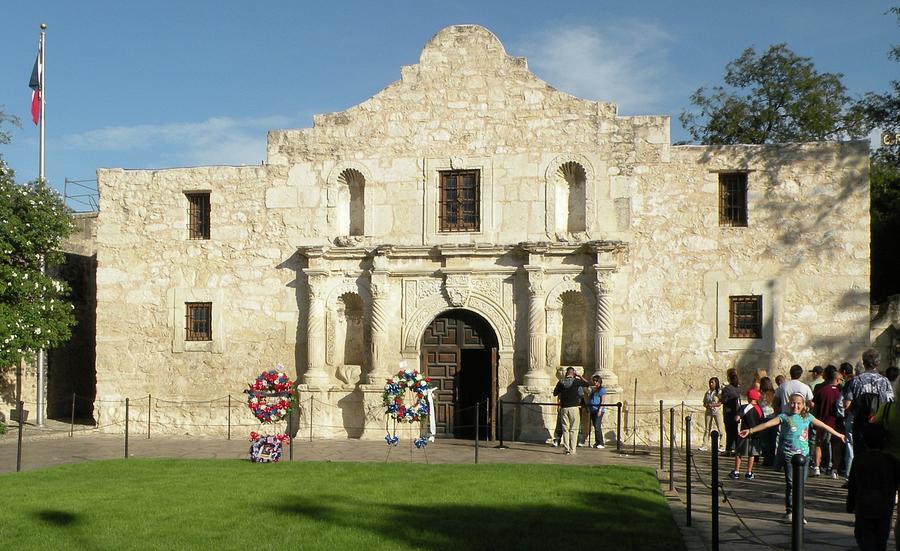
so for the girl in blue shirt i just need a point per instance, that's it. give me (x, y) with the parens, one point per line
(795, 440)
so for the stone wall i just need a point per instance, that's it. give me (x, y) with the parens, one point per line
(648, 269)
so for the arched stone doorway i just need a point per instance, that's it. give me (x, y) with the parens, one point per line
(459, 353)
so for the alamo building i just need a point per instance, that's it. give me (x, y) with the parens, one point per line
(473, 221)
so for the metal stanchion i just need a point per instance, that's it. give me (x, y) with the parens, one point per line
(229, 417)
(714, 436)
(310, 417)
(72, 421)
(687, 468)
(477, 421)
(20, 412)
(672, 450)
(500, 446)
(662, 439)
(149, 409)
(127, 405)
(798, 464)
(619, 426)
(291, 432)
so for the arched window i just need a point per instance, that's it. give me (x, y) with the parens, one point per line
(351, 211)
(571, 186)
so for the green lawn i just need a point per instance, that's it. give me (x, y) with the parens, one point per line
(202, 504)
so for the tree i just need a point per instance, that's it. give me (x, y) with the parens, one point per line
(883, 111)
(775, 97)
(34, 312)
(4, 118)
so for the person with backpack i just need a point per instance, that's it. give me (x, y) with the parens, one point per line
(866, 393)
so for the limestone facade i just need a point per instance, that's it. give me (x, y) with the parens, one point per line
(596, 244)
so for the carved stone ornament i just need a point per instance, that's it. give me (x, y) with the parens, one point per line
(535, 282)
(604, 281)
(457, 287)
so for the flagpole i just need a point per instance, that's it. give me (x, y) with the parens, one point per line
(41, 355)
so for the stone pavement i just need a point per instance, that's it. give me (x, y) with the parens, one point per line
(760, 503)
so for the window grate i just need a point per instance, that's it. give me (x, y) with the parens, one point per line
(460, 201)
(733, 199)
(198, 215)
(745, 317)
(198, 321)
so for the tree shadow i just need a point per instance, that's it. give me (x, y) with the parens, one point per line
(57, 518)
(576, 521)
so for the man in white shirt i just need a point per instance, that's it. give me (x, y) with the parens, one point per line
(794, 386)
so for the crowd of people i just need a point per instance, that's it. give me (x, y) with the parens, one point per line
(842, 421)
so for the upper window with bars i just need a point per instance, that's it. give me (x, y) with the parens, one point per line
(198, 214)
(733, 199)
(460, 201)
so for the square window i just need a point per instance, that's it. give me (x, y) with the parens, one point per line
(460, 201)
(733, 199)
(745, 317)
(198, 215)
(198, 321)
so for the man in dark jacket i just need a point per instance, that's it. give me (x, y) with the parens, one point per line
(569, 391)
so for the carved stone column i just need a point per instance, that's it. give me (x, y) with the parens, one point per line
(316, 376)
(536, 377)
(603, 343)
(378, 288)
(554, 337)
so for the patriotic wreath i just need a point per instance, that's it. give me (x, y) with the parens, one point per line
(406, 384)
(266, 448)
(272, 395)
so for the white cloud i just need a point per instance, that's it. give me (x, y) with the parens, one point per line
(215, 141)
(624, 63)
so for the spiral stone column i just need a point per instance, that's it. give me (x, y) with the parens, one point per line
(316, 376)
(536, 377)
(379, 328)
(603, 347)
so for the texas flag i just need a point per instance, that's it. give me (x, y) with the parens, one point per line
(37, 77)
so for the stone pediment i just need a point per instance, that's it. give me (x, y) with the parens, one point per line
(465, 92)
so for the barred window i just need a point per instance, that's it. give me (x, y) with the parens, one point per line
(198, 321)
(198, 215)
(460, 208)
(745, 317)
(733, 199)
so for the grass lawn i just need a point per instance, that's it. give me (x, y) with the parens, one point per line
(203, 504)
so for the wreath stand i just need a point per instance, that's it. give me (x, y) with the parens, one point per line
(411, 400)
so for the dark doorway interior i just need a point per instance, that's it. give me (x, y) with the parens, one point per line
(459, 354)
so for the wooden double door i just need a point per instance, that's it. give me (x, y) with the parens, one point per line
(459, 353)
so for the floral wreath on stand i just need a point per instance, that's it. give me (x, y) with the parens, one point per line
(406, 401)
(271, 398)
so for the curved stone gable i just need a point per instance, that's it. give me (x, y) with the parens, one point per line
(465, 94)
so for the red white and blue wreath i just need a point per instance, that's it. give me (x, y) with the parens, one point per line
(270, 397)
(406, 400)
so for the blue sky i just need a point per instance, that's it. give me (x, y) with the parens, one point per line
(183, 83)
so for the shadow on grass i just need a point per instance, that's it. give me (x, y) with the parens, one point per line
(57, 518)
(624, 522)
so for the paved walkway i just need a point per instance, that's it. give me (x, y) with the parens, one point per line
(760, 503)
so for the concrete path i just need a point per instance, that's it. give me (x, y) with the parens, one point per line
(759, 503)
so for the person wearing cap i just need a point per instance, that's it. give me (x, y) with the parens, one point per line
(817, 377)
(749, 447)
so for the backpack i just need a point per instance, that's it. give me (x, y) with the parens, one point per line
(864, 409)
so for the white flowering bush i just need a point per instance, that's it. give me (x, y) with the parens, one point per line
(34, 310)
